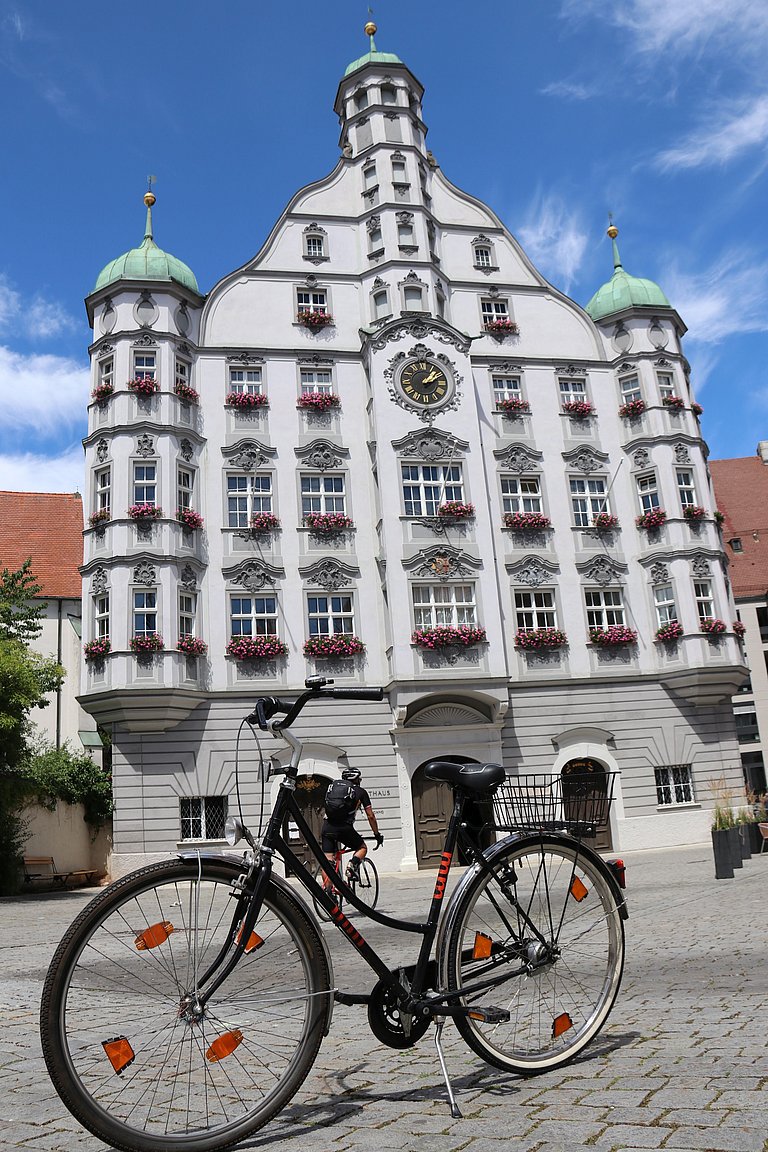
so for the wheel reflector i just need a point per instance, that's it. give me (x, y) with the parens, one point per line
(119, 1052)
(153, 936)
(578, 889)
(224, 1045)
(482, 948)
(254, 941)
(561, 1024)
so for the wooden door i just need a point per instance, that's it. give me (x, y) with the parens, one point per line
(432, 808)
(310, 800)
(586, 778)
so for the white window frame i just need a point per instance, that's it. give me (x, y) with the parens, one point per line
(705, 600)
(315, 247)
(520, 493)
(589, 497)
(145, 483)
(534, 608)
(380, 306)
(185, 483)
(406, 236)
(248, 494)
(492, 308)
(102, 484)
(664, 604)
(145, 366)
(647, 487)
(413, 297)
(182, 371)
(572, 389)
(370, 179)
(506, 388)
(630, 389)
(686, 487)
(666, 384)
(107, 371)
(317, 381)
(439, 604)
(246, 381)
(323, 493)
(187, 612)
(330, 614)
(196, 813)
(427, 486)
(144, 607)
(604, 607)
(101, 616)
(674, 785)
(312, 300)
(256, 614)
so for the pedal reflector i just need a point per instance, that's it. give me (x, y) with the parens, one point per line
(561, 1024)
(578, 889)
(153, 936)
(483, 946)
(489, 1014)
(254, 941)
(119, 1053)
(224, 1045)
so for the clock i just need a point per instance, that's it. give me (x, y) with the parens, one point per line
(423, 382)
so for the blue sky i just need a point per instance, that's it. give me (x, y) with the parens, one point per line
(554, 112)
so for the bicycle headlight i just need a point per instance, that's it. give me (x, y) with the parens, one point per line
(234, 831)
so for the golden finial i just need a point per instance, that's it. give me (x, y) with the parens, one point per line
(149, 196)
(370, 28)
(612, 230)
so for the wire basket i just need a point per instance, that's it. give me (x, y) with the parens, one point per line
(578, 805)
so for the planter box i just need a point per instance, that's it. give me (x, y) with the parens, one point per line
(721, 846)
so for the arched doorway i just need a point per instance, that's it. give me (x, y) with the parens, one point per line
(432, 808)
(310, 800)
(587, 777)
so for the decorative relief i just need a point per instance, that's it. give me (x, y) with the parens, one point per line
(316, 229)
(420, 352)
(442, 561)
(372, 223)
(102, 450)
(378, 282)
(601, 571)
(310, 280)
(701, 566)
(105, 350)
(682, 455)
(249, 454)
(99, 581)
(315, 360)
(145, 573)
(244, 358)
(420, 330)
(431, 445)
(188, 577)
(504, 366)
(145, 341)
(585, 459)
(404, 217)
(519, 458)
(626, 366)
(145, 445)
(254, 575)
(659, 574)
(321, 454)
(186, 449)
(570, 370)
(533, 572)
(641, 458)
(329, 574)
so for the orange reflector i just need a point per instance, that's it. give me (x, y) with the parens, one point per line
(254, 941)
(154, 935)
(561, 1024)
(119, 1052)
(224, 1045)
(482, 948)
(578, 889)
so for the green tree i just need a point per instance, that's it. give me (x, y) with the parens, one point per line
(25, 679)
(52, 774)
(20, 619)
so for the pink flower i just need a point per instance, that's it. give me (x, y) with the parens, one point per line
(143, 386)
(674, 402)
(578, 408)
(192, 646)
(613, 636)
(670, 631)
(448, 636)
(102, 392)
(536, 638)
(526, 521)
(189, 519)
(713, 627)
(632, 408)
(456, 510)
(247, 400)
(255, 648)
(334, 644)
(262, 522)
(144, 512)
(513, 406)
(145, 642)
(326, 523)
(318, 401)
(186, 392)
(314, 319)
(655, 518)
(96, 649)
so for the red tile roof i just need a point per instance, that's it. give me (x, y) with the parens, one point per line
(741, 490)
(48, 526)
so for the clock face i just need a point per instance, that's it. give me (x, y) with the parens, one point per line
(424, 382)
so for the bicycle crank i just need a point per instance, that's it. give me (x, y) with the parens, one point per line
(389, 1022)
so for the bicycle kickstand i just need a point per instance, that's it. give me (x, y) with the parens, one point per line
(455, 1110)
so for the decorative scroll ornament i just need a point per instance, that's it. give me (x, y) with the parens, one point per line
(188, 577)
(99, 581)
(571, 370)
(372, 223)
(253, 576)
(533, 572)
(519, 458)
(443, 562)
(102, 450)
(106, 349)
(404, 217)
(659, 574)
(249, 454)
(586, 459)
(420, 330)
(321, 454)
(431, 445)
(682, 455)
(145, 573)
(315, 228)
(701, 566)
(504, 366)
(145, 446)
(186, 449)
(329, 574)
(641, 458)
(315, 360)
(603, 571)
(145, 341)
(245, 358)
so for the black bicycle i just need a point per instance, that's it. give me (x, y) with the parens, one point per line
(187, 1002)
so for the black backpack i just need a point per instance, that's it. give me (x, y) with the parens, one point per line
(340, 800)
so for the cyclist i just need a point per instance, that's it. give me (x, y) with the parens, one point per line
(342, 801)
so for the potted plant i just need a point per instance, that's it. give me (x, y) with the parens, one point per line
(336, 644)
(97, 649)
(501, 327)
(186, 392)
(694, 513)
(719, 517)
(513, 406)
(456, 510)
(318, 401)
(100, 518)
(739, 629)
(533, 639)
(143, 386)
(580, 409)
(696, 409)
(526, 521)
(255, 648)
(713, 627)
(146, 643)
(604, 521)
(676, 403)
(327, 523)
(189, 519)
(654, 518)
(614, 636)
(145, 513)
(448, 636)
(192, 646)
(669, 632)
(632, 409)
(103, 391)
(247, 401)
(722, 818)
(263, 522)
(314, 320)
(743, 819)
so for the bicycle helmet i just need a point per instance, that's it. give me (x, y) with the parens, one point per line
(354, 775)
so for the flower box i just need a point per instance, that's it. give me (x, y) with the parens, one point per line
(694, 513)
(526, 521)
(580, 409)
(719, 516)
(656, 518)
(448, 636)
(145, 512)
(143, 386)
(186, 392)
(614, 636)
(513, 406)
(534, 639)
(604, 521)
(327, 523)
(501, 327)
(255, 648)
(263, 522)
(632, 409)
(318, 401)
(739, 628)
(669, 632)
(314, 320)
(100, 518)
(247, 401)
(456, 510)
(696, 409)
(189, 519)
(146, 643)
(97, 649)
(337, 644)
(676, 403)
(192, 646)
(713, 627)
(103, 392)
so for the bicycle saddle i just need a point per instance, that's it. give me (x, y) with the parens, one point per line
(468, 777)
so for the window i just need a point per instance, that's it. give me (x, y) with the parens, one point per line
(145, 483)
(144, 612)
(664, 603)
(246, 496)
(674, 785)
(736, 544)
(399, 174)
(571, 389)
(369, 176)
(182, 372)
(101, 616)
(313, 380)
(361, 99)
(388, 94)
(103, 493)
(630, 389)
(588, 497)
(253, 615)
(705, 605)
(666, 384)
(312, 301)
(686, 488)
(184, 483)
(647, 492)
(604, 607)
(330, 615)
(435, 604)
(202, 817)
(246, 380)
(322, 494)
(747, 731)
(413, 297)
(494, 310)
(483, 256)
(506, 388)
(440, 301)
(762, 623)
(535, 609)
(107, 373)
(427, 486)
(520, 494)
(375, 240)
(381, 304)
(144, 366)
(187, 613)
(405, 236)
(315, 246)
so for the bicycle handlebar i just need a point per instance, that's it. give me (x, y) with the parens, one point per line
(268, 706)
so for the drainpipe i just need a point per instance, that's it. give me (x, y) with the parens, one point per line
(58, 661)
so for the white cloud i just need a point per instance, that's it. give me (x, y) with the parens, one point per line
(37, 318)
(727, 299)
(731, 132)
(567, 89)
(28, 472)
(554, 240)
(10, 303)
(689, 27)
(41, 393)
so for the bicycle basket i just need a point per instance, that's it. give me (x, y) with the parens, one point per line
(578, 805)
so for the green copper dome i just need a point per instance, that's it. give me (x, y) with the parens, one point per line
(624, 291)
(372, 56)
(147, 262)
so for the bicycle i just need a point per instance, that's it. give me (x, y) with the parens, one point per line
(186, 1004)
(364, 883)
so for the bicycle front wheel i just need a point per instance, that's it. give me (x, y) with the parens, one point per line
(548, 915)
(133, 1056)
(366, 885)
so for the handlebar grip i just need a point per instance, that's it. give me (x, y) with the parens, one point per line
(357, 693)
(265, 709)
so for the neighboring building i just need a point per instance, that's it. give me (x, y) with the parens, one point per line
(47, 527)
(391, 422)
(741, 488)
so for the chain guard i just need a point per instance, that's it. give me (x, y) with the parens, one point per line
(389, 1023)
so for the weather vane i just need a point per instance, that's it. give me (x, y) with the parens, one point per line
(150, 181)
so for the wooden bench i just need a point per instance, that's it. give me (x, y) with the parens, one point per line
(42, 870)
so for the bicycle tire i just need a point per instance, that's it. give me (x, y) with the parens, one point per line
(119, 974)
(366, 885)
(557, 1009)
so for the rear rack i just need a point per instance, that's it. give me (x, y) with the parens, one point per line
(575, 804)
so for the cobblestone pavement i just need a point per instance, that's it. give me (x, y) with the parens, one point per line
(682, 1063)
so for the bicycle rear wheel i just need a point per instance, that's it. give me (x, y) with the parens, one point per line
(572, 940)
(366, 885)
(127, 1050)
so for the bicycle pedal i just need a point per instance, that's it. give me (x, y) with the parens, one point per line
(489, 1014)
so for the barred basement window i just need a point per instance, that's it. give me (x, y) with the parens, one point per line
(674, 785)
(202, 817)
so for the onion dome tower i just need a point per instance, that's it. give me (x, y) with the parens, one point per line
(622, 290)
